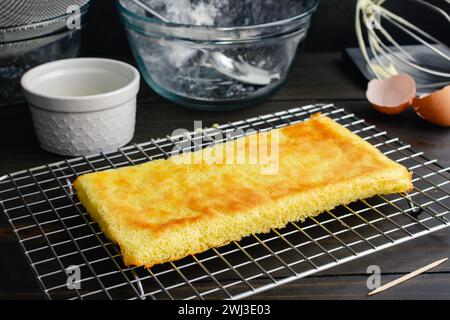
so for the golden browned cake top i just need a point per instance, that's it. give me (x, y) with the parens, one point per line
(161, 194)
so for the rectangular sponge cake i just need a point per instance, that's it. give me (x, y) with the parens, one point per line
(164, 210)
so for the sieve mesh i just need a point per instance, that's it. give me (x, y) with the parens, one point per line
(24, 19)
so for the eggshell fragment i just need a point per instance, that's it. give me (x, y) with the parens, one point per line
(434, 107)
(392, 95)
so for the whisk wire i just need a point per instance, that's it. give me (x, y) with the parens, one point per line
(388, 56)
(404, 25)
(434, 8)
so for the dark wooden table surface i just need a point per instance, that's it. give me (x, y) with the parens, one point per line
(318, 77)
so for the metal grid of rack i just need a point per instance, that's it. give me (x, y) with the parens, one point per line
(56, 233)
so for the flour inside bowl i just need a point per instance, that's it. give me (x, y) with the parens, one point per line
(200, 13)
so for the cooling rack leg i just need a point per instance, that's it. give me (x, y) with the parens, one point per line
(69, 186)
(415, 210)
(139, 286)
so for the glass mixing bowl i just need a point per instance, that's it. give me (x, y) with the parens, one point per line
(188, 60)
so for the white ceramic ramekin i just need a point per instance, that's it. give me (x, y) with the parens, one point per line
(82, 106)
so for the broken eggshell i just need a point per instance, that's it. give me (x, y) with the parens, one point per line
(392, 95)
(434, 107)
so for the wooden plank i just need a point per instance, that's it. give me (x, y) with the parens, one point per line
(430, 286)
(321, 76)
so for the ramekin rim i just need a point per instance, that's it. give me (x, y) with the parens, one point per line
(130, 84)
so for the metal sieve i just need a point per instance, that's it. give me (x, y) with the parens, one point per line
(26, 19)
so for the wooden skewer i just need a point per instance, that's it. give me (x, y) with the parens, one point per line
(407, 277)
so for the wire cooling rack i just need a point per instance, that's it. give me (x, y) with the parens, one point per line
(56, 233)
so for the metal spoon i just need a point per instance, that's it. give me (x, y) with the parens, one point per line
(238, 70)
